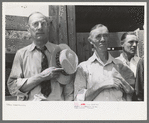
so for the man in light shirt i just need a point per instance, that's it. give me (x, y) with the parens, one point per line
(28, 80)
(129, 43)
(97, 79)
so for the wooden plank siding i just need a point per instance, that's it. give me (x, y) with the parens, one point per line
(58, 26)
(15, 40)
(141, 43)
(54, 30)
(16, 23)
(71, 27)
(12, 45)
(63, 37)
(84, 49)
(62, 27)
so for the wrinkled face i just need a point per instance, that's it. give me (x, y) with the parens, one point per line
(38, 28)
(99, 38)
(130, 44)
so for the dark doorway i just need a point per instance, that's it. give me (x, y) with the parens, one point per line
(116, 18)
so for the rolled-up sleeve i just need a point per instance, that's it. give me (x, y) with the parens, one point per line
(80, 84)
(16, 79)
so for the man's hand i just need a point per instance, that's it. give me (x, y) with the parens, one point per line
(121, 82)
(51, 73)
(35, 80)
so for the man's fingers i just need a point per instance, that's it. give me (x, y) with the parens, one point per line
(58, 69)
(119, 78)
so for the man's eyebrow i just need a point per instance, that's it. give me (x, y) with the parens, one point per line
(133, 40)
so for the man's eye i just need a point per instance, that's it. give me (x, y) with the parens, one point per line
(98, 37)
(44, 23)
(105, 35)
(130, 42)
(35, 24)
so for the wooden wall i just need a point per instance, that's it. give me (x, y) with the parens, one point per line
(62, 25)
(141, 43)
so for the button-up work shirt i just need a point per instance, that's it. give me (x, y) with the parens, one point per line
(132, 64)
(95, 71)
(27, 63)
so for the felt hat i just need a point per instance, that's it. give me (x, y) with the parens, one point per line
(64, 57)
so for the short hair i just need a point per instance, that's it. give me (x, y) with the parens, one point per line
(96, 27)
(36, 13)
(127, 33)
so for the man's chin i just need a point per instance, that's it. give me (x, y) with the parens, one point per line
(133, 53)
(103, 49)
(40, 38)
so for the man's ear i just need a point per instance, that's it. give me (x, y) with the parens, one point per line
(122, 43)
(90, 40)
(49, 20)
(28, 30)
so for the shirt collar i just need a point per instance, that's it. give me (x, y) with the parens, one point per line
(110, 59)
(48, 46)
(135, 58)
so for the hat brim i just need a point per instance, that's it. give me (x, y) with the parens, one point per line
(62, 79)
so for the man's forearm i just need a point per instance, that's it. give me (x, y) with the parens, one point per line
(31, 83)
(92, 93)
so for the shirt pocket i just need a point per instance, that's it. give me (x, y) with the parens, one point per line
(32, 65)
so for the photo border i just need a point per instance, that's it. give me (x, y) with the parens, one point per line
(83, 1)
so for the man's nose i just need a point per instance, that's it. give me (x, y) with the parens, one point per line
(102, 39)
(39, 25)
(134, 44)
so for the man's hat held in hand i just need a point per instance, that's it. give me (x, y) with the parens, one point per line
(64, 57)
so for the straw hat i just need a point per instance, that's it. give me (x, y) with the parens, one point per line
(64, 57)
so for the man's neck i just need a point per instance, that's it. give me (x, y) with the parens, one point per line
(127, 56)
(102, 55)
(40, 44)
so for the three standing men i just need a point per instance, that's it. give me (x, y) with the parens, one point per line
(96, 79)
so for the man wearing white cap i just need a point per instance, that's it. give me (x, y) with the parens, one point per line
(101, 77)
(33, 76)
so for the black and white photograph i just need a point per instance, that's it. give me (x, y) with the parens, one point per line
(65, 59)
